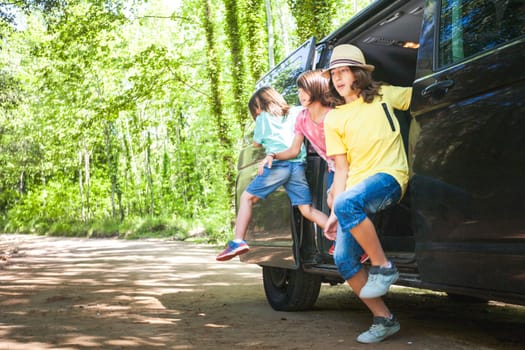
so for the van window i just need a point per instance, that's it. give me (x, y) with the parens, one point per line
(470, 27)
(283, 77)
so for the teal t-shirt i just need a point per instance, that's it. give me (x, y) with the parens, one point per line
(276, 133)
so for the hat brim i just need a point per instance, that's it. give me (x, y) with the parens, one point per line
(326, 72)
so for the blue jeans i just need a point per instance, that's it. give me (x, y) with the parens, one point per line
(288, 174)
(330, 179)
(352, 207)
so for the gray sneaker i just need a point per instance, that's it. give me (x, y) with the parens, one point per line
(379, 280)
(381, 328)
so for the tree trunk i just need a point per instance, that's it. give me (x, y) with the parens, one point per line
(149, 177)
(81, 185)
(87, 176)
(110, 168)
(269, 27)
(255, 38)
(236, 47)
(214, 72)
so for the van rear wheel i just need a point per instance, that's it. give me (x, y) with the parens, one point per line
(290, 290)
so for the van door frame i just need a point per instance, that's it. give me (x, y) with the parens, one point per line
(267, 247)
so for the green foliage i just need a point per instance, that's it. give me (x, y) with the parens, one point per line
(254, 17)
(120, 118)
(131, 228)
(147, 227)
(314, 17)
(235, 43)
(10, 91)
(9, 10)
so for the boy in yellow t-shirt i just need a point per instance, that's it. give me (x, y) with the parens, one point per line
(371, 173)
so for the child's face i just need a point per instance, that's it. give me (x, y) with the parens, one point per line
(343, 78)
(304, 97)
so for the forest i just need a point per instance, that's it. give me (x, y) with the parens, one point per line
(124, 118)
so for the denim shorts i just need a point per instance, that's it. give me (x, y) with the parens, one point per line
(352, 207)
(288, 174)
(330, 179)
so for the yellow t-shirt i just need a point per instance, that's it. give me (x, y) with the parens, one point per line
(369, 135)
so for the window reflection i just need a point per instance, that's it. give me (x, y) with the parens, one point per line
(469, 27)
(283, 78)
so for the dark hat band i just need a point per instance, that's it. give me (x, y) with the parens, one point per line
(346, 61)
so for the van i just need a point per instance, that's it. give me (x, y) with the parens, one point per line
(460, 228)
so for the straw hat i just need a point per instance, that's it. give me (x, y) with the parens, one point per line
(347, 56)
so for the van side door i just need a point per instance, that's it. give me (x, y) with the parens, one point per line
(467, 191)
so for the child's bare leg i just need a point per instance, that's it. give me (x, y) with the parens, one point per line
(376, 305)
(365, 234)
(314, 215)
(244, 215)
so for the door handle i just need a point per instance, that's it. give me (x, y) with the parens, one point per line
(437, 89)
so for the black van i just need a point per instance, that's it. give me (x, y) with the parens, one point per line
(461, 226)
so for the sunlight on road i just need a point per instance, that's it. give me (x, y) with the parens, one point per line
(82, 285)
(79, 294)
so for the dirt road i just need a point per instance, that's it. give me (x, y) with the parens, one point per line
(153, 294)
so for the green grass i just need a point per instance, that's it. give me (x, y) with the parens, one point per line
(207, 231)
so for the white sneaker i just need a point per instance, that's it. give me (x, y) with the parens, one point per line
(379, 281)
(381, 328)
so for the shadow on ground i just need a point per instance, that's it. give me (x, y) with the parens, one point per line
(152, 294)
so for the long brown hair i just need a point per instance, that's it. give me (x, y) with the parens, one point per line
(269, 100)
(368, 87)
(316, 86)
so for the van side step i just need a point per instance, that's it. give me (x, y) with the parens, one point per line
(405, 262)
(322, 269)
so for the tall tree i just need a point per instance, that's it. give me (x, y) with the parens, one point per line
(313, 17)
(269, 27)
(113, 111)
(235, 43)
(254, 18)
(214, 73)
(81, 56)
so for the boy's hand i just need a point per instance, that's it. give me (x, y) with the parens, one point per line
(267, 160)
(330, 228)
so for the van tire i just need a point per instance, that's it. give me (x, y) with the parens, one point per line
(290, 290)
